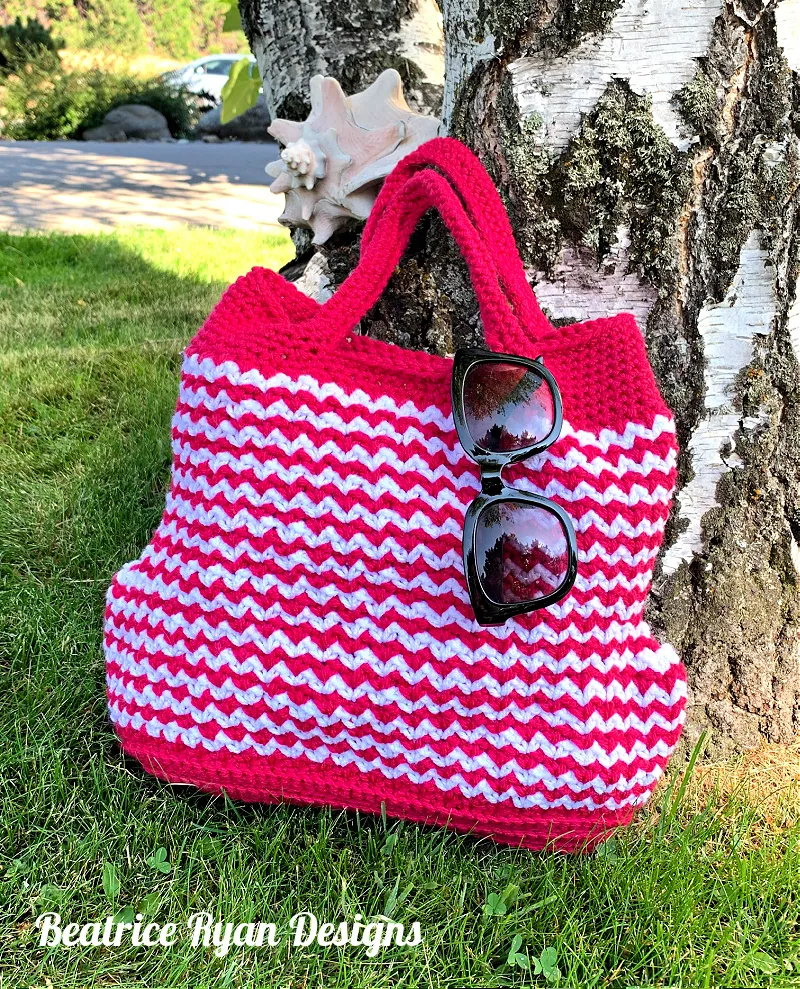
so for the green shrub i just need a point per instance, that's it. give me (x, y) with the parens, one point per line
(177, 105)
(38, 104)
(23, 42)
(172, 27)
(113, 25)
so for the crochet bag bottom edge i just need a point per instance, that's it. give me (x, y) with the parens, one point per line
(276, 779)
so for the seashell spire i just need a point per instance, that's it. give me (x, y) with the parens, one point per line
(333, 162)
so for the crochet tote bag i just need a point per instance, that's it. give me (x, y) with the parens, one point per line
(299, 627)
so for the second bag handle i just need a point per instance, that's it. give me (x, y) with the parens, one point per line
(482, 203)
(511, 317)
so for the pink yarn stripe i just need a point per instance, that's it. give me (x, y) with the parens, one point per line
(347, 787)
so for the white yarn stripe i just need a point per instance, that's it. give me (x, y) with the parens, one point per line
(660, 661)
(187, 459)
(306, 443)
(149, 700)
(357, 545)
(360, 545)
(638, 494)
(198, 685)
(268, 471)
(229, 371)
(418, 610)
(185, 426)
(327, 507)
(278, 413)
(207, 573)
(193, 737)
(328, 419)
(365, 625)
(375, 462)
(620, 555)
(376, 519)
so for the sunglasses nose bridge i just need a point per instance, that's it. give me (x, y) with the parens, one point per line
(491, 481)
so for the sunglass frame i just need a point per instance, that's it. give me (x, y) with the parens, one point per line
(494, 490)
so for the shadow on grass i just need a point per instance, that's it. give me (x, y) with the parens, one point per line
(94, 335)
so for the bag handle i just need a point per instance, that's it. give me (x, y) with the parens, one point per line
(509, 312)
(465, 172)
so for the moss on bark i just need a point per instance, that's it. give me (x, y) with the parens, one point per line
(699, 102)
(620, 168)
(567, 26)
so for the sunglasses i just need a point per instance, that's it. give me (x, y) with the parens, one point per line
(520, 552)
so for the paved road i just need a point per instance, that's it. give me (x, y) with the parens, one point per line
(82, 186)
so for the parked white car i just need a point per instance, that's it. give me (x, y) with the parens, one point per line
(206, 75)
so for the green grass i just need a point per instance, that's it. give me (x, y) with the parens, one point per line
(704, 893)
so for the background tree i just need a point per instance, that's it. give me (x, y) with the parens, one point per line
(117, 23)
(172, 27)
(649, 162)
(181, 29)
(25, 40)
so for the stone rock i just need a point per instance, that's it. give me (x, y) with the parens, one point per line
(133, 121)
(104, 133)
(248, 126)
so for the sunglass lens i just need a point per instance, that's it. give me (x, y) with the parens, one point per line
(507, 406)
(521, 552)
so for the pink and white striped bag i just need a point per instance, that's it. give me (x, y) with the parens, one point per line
(299, 627)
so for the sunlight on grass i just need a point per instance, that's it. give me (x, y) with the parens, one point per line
(766, 779)
(66, 290)
(206, 254)
(202, 253)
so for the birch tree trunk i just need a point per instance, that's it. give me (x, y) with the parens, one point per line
(649, 159)
(351, 40)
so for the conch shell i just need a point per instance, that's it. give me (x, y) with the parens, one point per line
(332, 163)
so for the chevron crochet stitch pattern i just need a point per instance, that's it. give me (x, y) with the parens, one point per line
(299, 629)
